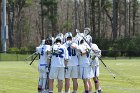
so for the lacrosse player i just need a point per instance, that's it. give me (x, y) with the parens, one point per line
(72, 71)
(94, 54)
(59, 61)
(42, 66)
(84, 62)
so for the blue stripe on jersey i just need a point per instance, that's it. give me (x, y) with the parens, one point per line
(95, 71)
(43, 64)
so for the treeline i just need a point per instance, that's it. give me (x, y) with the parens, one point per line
(115, 24)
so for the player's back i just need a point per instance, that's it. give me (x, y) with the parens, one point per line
(95, 52)
(42, 50)
(84, 59)
(72, 53)
(57, 59)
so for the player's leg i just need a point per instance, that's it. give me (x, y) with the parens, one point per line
(52, 75)
(86, 85)
(96, 80)
(60, 86)
(91, 75)
(40, 81)
(61, 77)
(90, 85)
(39, 85)
(51, 81)
(47, 82)
(74, 76)
(75, 85)
(44, 78)
(67, 80)
(67, 85)
(86, 77)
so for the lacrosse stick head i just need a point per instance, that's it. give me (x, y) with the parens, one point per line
(87, 30)
(77, 31)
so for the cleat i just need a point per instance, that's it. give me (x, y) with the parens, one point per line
(100, 91)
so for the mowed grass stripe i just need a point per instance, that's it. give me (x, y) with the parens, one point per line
(21, 77)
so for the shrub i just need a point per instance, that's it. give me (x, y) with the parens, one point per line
(13, 50)
(24, 50)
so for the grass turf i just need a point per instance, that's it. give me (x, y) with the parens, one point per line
(19, 77)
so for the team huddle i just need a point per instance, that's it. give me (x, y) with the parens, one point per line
(67, 57)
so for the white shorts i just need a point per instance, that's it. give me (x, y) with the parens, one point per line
(86, 72)
(71, 72)
(57, 73)
(42, 69)
(95, 70)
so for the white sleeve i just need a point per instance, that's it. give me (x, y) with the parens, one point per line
(96, 50)
(37, 49)
(66, 53)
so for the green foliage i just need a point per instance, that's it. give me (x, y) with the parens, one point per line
(13, 50)
(49, 2)
(120, 47)
(24, 50)
(28, 2)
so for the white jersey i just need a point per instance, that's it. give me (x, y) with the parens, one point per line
(72, 54)
(42, 50)
(84, 59)
(96, 52)
(58, 60)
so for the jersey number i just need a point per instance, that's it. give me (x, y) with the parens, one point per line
(60, 54)
(42, 52)
(71, 51)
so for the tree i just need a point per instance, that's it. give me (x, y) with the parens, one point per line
(11, 18)
(51, 14)
(115, 19)
(135, 7)
(0, 23)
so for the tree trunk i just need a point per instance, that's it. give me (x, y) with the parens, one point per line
(54, 13)
(42, 21)
(115, 19)
(75, 17)
(0, 23)
(93, 23)
(134, 16)
(125, 18)
(85, 14)
(99, 18)
(11, 24)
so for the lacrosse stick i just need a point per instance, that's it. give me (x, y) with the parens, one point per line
(33, 60)
(30, 56)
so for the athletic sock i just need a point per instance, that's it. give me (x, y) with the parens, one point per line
(74, 91)
(86, 91)
(44, 83)
(50, 91)
(96, 91)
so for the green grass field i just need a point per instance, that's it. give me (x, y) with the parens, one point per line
(19, 77)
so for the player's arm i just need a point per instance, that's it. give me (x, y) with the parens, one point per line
(85, 51)
(96, 50)
(66, 56)
(37, 50)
